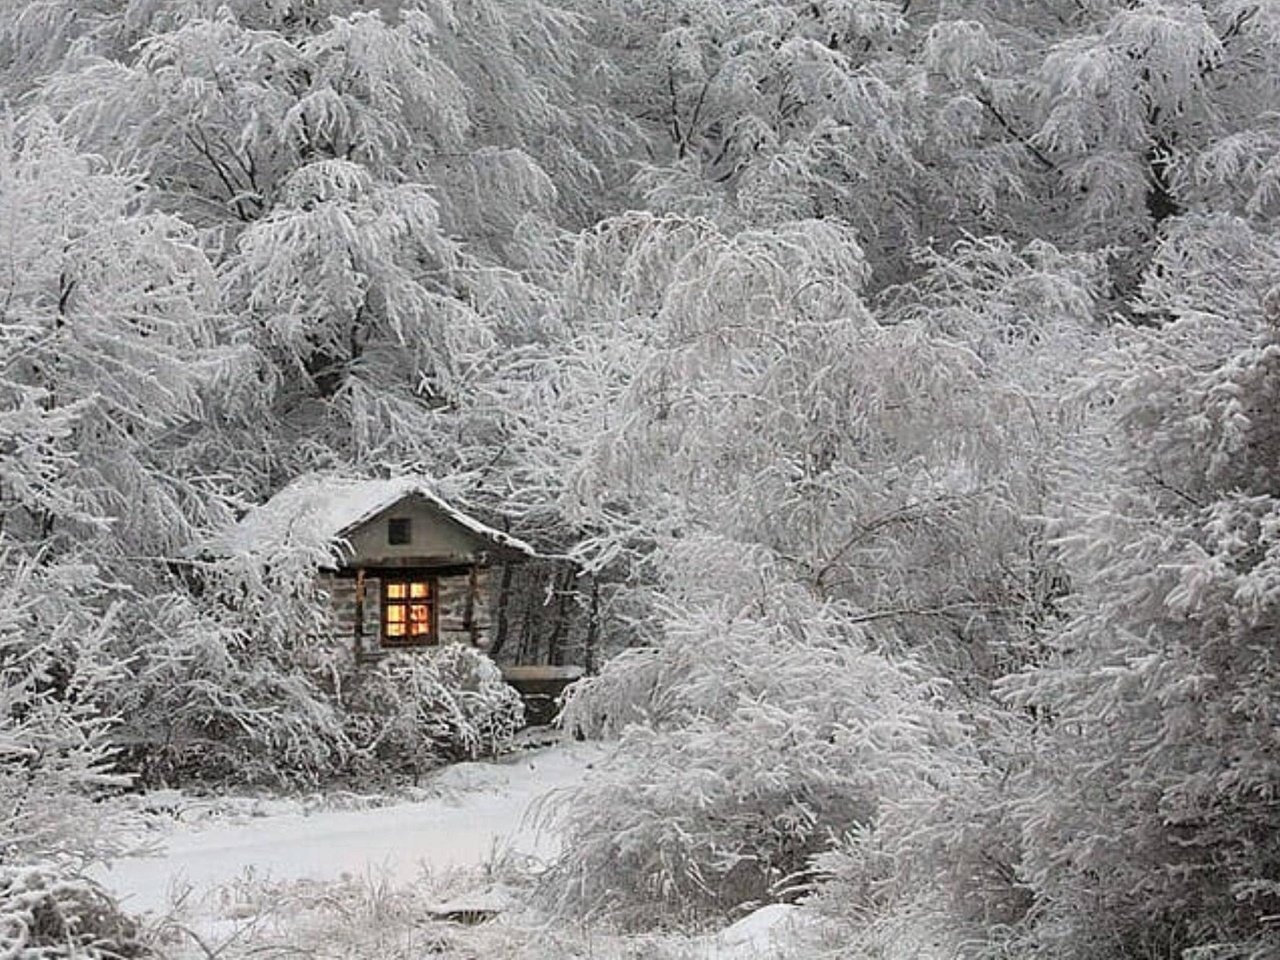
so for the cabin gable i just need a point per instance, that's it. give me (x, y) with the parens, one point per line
(412, 531)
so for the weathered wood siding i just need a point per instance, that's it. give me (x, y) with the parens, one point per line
(454, 622)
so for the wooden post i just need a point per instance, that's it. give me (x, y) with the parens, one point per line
(528, 644)
(359, 612)
(469, 610)
(560, 626)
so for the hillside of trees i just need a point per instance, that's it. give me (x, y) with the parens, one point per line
(903, 378)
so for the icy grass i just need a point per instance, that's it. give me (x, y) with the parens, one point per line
(372, 916)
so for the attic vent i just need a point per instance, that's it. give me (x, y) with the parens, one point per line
(398, 531)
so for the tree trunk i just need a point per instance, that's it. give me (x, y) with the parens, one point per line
(593, 629)
(500, 626)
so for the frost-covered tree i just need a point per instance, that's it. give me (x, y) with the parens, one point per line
(1123, 808)
(109, 339)
(116, 384)
(381, 188)
(223, 101)
(1123, 115)
(107, 319)
(799, 490)
(1142, 100)
(760, 111)
(1084, 124)
(57, 671)
(36, 36)
(1148, 822)
(910, 121)
(737, 386)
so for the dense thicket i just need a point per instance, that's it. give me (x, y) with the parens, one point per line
(900, 375)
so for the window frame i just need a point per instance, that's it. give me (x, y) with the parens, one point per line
(407, 577)
(399, 531)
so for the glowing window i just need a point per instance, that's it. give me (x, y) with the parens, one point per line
(408, 612)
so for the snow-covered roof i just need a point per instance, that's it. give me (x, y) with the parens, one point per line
(317, 509)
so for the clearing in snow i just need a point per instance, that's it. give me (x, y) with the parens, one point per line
(265, 879)
(480, 813)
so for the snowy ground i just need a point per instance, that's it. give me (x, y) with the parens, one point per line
(480, 813)
(270, 878)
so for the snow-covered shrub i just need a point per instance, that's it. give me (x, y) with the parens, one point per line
(45, 914)
(236, 681)
(230, 716)
(412, 711)
(1148, 819)
(55, 751)
(939, 868)
(768, 734)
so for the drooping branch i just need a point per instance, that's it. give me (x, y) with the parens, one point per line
(1008, 128)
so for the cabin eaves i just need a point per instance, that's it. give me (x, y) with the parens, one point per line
(317, 510)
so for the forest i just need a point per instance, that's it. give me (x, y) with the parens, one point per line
(901, 378)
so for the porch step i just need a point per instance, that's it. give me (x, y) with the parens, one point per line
(539, 686)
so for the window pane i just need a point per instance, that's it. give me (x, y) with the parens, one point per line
(407, 611)
(399, 531)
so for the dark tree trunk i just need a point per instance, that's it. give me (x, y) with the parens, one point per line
(593, 629)
(500, 627)
(1161, 203)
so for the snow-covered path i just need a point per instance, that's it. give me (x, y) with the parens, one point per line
(482, 810)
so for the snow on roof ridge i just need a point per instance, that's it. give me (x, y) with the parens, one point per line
(414, 484)
(330, 506)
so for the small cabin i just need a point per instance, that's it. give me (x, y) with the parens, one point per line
(411, 570)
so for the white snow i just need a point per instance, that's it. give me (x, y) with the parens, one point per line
(476, 812)
(320, 508)
(761, 934)
(482, 811)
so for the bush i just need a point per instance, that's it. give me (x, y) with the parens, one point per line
(941, 868)
(56, 758)
(44, 914)
(413, 711)
(764, 740)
